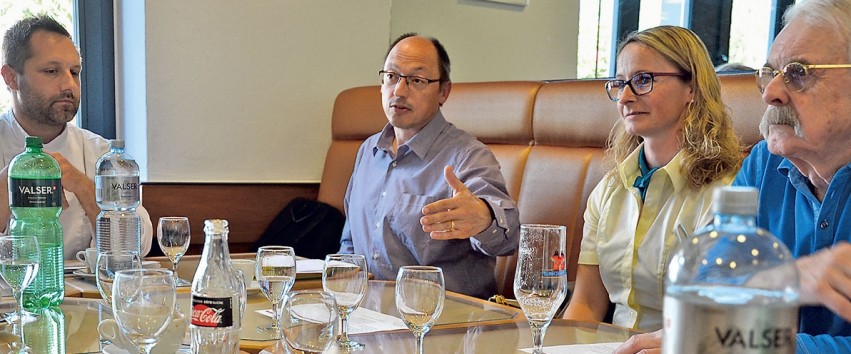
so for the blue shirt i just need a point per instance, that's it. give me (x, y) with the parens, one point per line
(790, 211)
(386, 195)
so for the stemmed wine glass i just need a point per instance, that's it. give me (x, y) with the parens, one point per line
(110, 262)
(19, 259)
(420, 292)
(309, 320)
(275, 270)
(173, 237)
(540, 282)
(142, 303)
(345, 276)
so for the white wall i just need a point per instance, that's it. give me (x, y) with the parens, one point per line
(227, 91)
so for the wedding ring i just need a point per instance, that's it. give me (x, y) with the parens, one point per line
(451, 225)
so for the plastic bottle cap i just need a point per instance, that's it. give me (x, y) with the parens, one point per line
(118, 143)
(33, 141)
(734, 200)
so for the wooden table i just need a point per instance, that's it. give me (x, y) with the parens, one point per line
(83, 313)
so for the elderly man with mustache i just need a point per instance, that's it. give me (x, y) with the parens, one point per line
(803, 168)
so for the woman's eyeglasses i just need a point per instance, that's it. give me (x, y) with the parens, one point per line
(796, 75)
(640, 84)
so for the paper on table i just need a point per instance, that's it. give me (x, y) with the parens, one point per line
(596, 348)
(364, 321)
(309, 265)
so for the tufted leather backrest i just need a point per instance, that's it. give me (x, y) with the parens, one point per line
(549, 138)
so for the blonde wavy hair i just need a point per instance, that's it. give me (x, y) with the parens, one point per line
(707, 138)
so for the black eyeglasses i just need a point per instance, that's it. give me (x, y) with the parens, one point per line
(389, 78)
(795, 75)
(640, 84)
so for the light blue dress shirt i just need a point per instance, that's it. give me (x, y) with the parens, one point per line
(386, 195)
(790, 211)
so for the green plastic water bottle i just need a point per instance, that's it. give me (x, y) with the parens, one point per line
(35, 199)
(46, 334)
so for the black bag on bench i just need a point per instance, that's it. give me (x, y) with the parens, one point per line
(312, 228)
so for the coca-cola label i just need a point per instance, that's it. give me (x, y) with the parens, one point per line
(212, 311)
(35, 193)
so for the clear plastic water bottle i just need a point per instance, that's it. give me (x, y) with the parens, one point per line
(216, 296)
(732, 287)
(46, 334)
(119, 227)
(35, 200)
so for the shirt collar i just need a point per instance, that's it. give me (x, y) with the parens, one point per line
(628, 169)
(419, 144)
(21, 134)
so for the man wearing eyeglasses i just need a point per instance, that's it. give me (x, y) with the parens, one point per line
(423, 191)
(803, 168)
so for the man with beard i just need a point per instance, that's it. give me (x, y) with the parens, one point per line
(803, 168)
(41, 68)
(405, 204)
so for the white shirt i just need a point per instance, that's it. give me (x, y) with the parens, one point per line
(82, 149)
(632, 241)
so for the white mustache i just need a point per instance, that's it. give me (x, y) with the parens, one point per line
(780, 115)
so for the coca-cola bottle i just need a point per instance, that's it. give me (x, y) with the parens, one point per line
(216, 296)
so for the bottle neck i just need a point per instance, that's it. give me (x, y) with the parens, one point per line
(735, 220)
(216, 245)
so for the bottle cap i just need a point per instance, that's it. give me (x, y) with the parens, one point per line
(735, 200)
(215, 226)
(33, 141)
(118, 143)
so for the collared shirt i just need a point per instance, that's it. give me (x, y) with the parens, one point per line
(790, 211)
(632, 242)
(386, 195)
(82, 149)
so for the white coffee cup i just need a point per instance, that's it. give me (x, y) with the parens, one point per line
(246, 266)
(90, 257)
(167, 343)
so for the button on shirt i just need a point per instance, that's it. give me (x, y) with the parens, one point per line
(632, 242)
(790, 211)
(386, 195)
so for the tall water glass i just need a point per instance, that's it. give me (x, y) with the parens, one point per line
(345, 277)
(275, 268)
(142, 303)
(309, 320)
(420, 292)
(540, 282)
(173, 237)
(110, 262)
(19, 259)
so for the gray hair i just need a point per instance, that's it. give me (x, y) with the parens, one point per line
(835, 14)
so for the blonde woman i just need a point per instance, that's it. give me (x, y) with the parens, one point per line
(673, 144)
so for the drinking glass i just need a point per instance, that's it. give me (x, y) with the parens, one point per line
(173, 237)
(19, 259)
(275, 268)
(345, 276)
(142, 303)
(110, 262)
(309, 320)
(420, 292)
(540, 282)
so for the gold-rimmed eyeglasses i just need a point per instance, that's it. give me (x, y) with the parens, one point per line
(640, 84)
(390, 78)
(796, 76)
